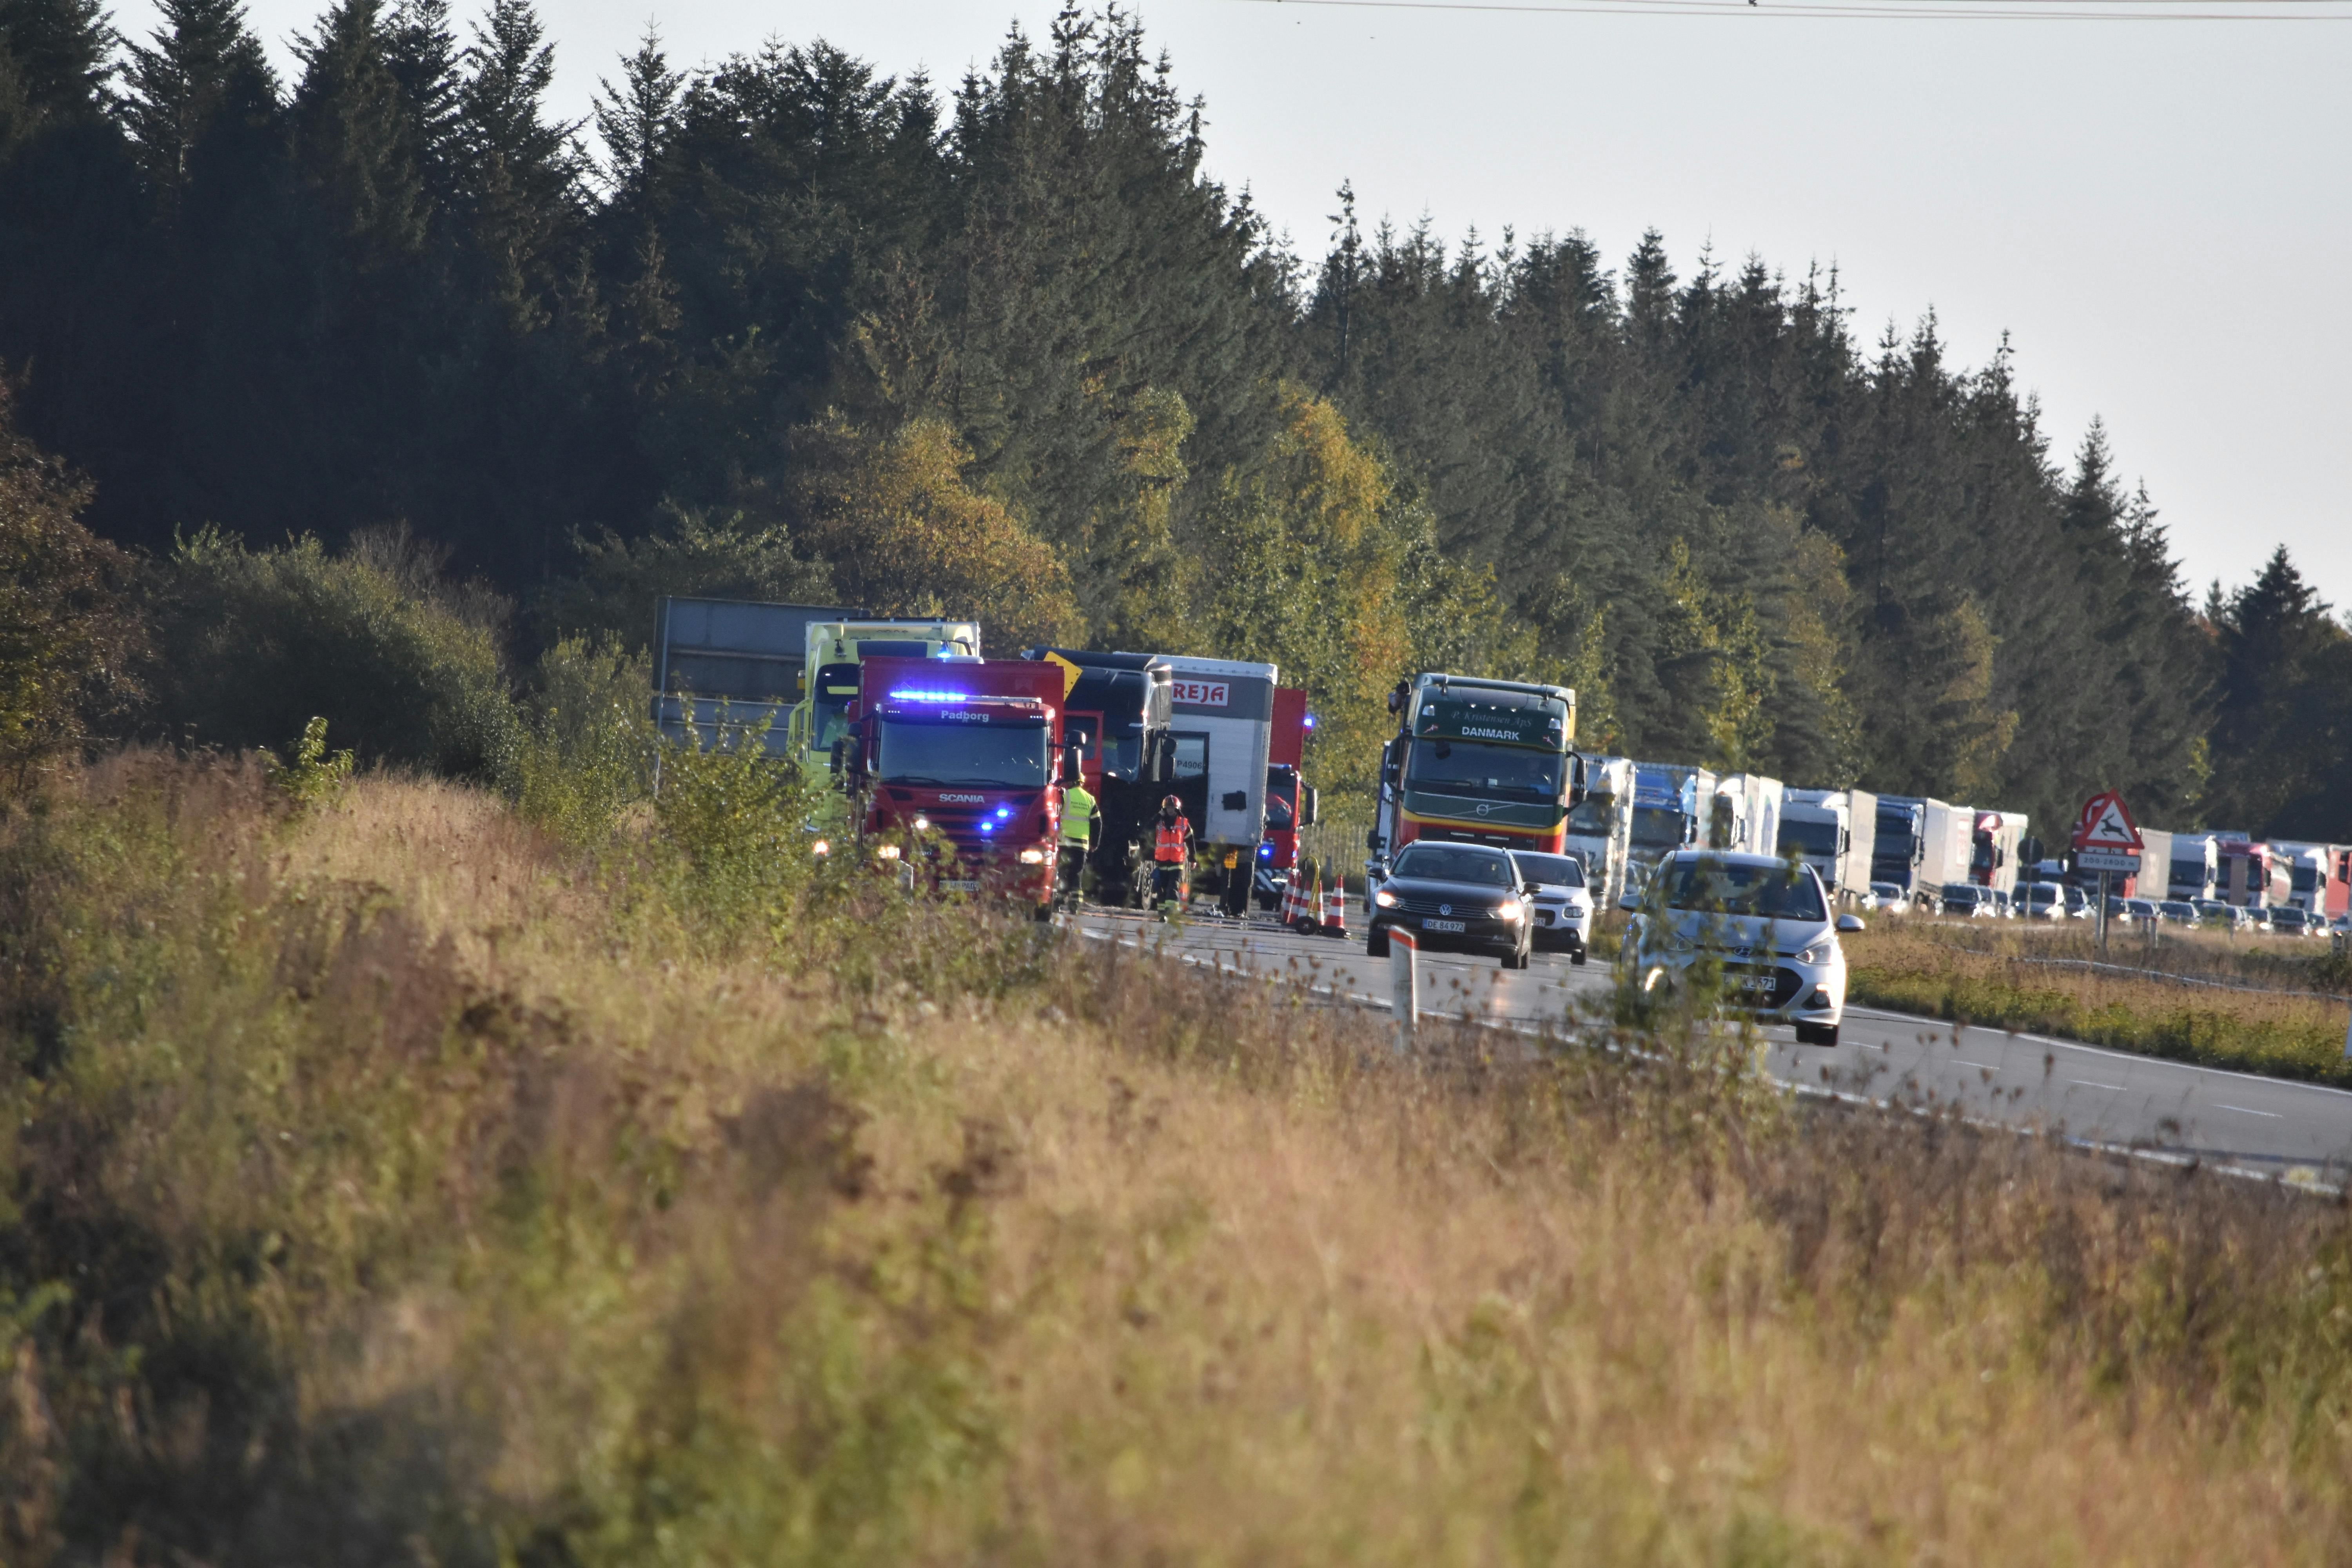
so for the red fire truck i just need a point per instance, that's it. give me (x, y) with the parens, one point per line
(1290, 801)
(955, 774)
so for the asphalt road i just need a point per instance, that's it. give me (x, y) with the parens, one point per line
(2301, 1130)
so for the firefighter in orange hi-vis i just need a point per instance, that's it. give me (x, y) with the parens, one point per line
(1171, 854)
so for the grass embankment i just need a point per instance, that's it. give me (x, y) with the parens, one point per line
(386, 1181)
(1966, 974)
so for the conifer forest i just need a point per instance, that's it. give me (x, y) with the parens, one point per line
(787, 325)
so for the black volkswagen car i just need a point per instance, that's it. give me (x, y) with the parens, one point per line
(1459, 898)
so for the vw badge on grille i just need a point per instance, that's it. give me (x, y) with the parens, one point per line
(1445, 909)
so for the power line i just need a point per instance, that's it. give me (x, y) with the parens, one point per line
(1915, 11)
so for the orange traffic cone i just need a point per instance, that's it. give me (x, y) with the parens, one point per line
(1305, 921)
(1335, 910)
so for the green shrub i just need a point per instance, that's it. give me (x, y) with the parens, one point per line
(256, 643)
(586, 751)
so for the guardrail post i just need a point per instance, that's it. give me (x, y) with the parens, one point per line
(1404, 989)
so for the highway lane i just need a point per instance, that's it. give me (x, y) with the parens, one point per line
(2274, 1125)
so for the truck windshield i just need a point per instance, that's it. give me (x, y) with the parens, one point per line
(1589, 816)
(1658, 827)
(1811, 838)
(1473, 767)
(1773, 891)
(1009, 755)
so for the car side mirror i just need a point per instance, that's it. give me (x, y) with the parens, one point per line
(1849, 924)
(1531, 886)
(1629, 899)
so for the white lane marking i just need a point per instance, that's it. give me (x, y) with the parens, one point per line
(1981, 1066)
(2092, 1083)
(2241, 1111)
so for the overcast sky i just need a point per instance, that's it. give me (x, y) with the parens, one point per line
(2157, 213)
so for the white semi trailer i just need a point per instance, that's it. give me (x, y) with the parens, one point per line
(1746, 814)
(1600, 827)
(1835, 831)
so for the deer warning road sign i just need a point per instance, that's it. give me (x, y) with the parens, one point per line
(2106, 827)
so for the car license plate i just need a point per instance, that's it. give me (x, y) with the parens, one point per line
(1442, 925)
(1756, 984)
(962, 885)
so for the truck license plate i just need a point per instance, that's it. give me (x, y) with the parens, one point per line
(1442, 925)
(963, 885)
(1232, 858)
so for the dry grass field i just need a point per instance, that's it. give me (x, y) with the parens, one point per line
(389, 1180)
(1996, 973)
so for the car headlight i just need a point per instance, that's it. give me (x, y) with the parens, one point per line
(820, 849)
(888, 852)
(1511, 914)
(1033, 856)
(1820, 952)
(1385, 898)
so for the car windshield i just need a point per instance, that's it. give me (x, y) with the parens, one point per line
(1961, 893)
(1552, 870)
(1886, 889)
(1455, 863)
(1776, 892)
(1475, 768)
(1005, 755)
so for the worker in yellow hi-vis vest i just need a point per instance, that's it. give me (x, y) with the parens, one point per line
(1077, 832)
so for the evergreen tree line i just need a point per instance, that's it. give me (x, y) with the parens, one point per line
(786, 326)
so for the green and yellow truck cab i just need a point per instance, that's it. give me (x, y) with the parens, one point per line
(830, 672)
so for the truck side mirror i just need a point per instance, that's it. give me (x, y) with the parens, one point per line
(1372, 840)
(1313, 803)
(840, 748)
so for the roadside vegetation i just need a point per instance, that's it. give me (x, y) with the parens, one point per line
(391, 1174)
(2264, 1005)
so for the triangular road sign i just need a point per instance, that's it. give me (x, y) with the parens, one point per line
(2106, 824)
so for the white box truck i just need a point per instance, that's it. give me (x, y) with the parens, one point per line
(1220, 732)
(1835, 831)
(1600, 827)
(2196, 864)
(1947, 837)
(1747, 816)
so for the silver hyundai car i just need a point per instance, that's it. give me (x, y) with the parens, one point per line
(1767, 921)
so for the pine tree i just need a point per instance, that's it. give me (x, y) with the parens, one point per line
(522, 172)
(204, 71)
(53, 65)
(354, 133)
(638, 122)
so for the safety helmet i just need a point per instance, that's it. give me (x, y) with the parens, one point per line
(1170, 803)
